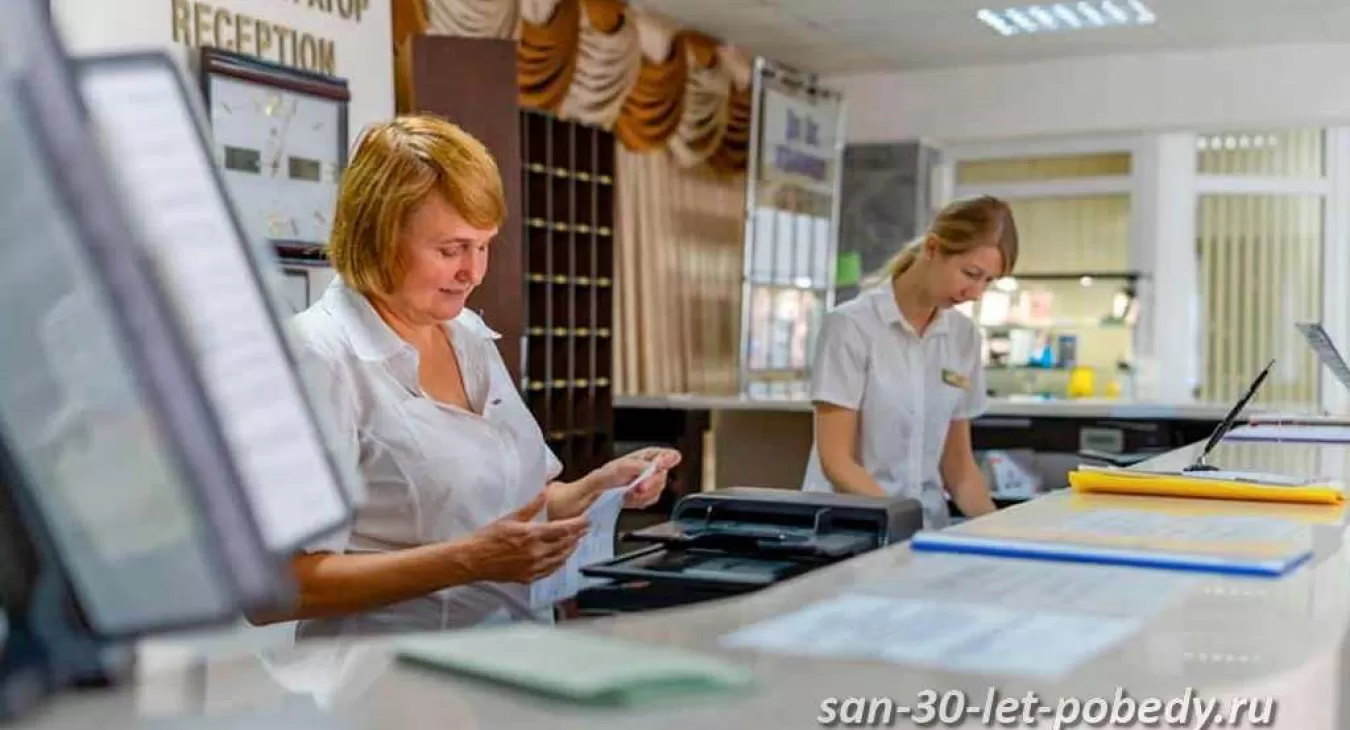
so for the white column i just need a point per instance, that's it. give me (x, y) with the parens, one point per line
(1162, 246)
(1336, 263)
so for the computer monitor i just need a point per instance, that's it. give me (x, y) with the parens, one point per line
(102, 404)
(228, 291)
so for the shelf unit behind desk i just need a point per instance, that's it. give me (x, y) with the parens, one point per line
(569, 207)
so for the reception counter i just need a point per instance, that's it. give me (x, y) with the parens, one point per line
(1166, 635)
(998, 407)
(731, 440)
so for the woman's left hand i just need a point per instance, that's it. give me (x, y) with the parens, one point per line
(621, 472)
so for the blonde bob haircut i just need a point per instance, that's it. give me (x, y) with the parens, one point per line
(395, 165)
(960, 227)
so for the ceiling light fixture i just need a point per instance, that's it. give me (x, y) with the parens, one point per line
(1066, 15)
(996, 21)
(1056, 17)
(1093, 15)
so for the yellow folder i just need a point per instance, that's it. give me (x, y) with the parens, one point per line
(1219, 486)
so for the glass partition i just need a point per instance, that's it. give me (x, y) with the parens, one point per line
(1063, 324)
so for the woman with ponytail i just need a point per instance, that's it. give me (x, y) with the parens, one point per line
(899, 374)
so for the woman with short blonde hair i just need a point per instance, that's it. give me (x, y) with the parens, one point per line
(899, 372)
(465, 521)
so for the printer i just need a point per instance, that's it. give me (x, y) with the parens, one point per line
(741, 539)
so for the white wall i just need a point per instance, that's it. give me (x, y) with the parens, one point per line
(363, 51)
(1296, 85)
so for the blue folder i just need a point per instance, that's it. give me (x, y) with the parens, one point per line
(957, 542)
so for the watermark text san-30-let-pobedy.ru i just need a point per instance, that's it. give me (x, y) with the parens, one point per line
(931, 708)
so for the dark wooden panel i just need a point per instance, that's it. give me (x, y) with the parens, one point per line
(568, 172)
(472, 82)
(549, 288)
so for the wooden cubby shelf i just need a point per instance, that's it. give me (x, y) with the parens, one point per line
(568, 209)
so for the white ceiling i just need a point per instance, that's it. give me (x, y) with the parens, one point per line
(852, 36)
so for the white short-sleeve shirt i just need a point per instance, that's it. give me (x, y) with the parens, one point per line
(433, 472)
(906, 388)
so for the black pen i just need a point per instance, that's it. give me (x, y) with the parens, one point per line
(1228, 422)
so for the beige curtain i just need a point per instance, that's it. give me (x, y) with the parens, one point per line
(479, 18)
(678, 277)
(606, 63)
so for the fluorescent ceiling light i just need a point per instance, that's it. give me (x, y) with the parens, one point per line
(996, 21)
(1065, 16)
(1142, 13)
(1116, 13)
(1093, 15)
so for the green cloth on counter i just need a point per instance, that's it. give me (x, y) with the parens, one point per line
(575, 665)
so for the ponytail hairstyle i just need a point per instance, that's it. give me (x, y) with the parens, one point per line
(960, 227)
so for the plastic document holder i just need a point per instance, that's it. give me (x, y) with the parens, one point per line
(1208, 485)
(742, 539)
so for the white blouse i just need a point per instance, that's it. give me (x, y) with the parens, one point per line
(906, 388)
(433, 472)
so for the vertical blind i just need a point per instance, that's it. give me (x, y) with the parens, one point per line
(1260, 261)
(1073, 234)
(1260, 272)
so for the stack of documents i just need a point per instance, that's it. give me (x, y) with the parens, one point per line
(1137, 536)
(1243, 485)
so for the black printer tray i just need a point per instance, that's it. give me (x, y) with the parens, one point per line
(758, 540)
(703, 567)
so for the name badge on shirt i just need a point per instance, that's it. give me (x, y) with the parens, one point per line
(955, 379)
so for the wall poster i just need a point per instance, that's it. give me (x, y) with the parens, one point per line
(792, 222)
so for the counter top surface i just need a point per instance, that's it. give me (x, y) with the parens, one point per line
(1219, 637)
(998, 407)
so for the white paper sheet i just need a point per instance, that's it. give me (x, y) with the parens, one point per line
(1033, 586)
(1216, 529)
(150, 133)
(596, 547)
(946, 635)
(1293, 433)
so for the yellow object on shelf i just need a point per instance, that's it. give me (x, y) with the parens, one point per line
(1081, 382)
(1218, 485)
